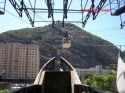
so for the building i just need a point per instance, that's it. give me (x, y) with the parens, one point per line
(95, 70)
(19, 61)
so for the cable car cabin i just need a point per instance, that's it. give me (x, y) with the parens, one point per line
(57, 76)
(66, 42)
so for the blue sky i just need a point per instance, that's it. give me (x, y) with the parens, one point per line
(105, 25)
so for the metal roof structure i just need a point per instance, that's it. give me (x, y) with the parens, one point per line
(31, 10)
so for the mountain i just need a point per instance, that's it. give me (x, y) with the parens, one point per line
(87, 50)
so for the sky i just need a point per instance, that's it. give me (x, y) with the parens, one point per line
(105, 25)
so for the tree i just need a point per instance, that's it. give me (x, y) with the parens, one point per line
(103, 82)
(4, 91)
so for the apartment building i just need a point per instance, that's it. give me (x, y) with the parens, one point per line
(19, 61)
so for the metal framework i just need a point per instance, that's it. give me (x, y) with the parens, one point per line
(65, 10)
(98, 8)
(87, 16)
(20, 8)
(50, 10)
(94, 12)
(2, 6)
(117, 8)
(31, 11)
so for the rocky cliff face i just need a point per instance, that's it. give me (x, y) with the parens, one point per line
(86, 51)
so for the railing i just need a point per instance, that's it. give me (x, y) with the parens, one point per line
(29, 89)
(88, 89)
(77, 89)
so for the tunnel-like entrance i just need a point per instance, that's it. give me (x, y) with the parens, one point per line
(57, 82)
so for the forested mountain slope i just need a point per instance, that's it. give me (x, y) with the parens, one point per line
(86, 50)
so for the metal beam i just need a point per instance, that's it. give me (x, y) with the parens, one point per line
(98, 8)
(119, 11)
(122, 24)
(2, 9)
(49, 5)
(65, 4)
(16, 7)
(89, 13)
(50, 11)
(20, 8)
(1, 12)
(87, 17)
(28, 15)
(57, 21)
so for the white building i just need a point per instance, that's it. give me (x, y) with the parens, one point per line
(97, 70)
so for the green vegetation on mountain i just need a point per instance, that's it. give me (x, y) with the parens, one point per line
(86, 48)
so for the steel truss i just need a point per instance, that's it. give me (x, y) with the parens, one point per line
(20, 6)
(94, 12)
(51, 10)
(117, 8)
(2, 6)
